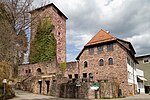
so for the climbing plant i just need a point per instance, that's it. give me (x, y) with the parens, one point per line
(63, 67)
(43, 47)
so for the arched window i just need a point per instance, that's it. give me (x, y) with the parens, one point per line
(39, 70)
(85, 64)
(101, 62)
(110, 60)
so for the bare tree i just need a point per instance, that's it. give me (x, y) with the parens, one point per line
(16, 12)
(14, 21)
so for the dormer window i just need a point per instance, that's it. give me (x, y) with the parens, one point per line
(110, 47)
(91, 51)
(100, 49)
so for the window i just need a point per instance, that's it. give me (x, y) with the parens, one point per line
(100, 49)
(91, 51)
(91, 76)
(101, 62)
(145, 60)
(70, 76)
(128, 60)
(132, 64)
(110, 60)
(128, 75)
(84, 75)
(39, 70)
(85, 64)
(110, 47)
(58, 33)
(26, 71)
(29, 70)
(76, 76)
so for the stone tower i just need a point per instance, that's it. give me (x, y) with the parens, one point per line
(58, 20)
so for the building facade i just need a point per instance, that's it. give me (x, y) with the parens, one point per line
(140, 81)
(144, 64)
(106, 58)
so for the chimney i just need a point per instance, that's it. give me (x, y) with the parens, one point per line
(108, 31)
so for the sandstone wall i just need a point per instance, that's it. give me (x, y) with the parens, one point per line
(116, 71)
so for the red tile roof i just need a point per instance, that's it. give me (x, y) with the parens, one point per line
(101, 36)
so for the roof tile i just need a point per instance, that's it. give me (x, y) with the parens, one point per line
(101, 36)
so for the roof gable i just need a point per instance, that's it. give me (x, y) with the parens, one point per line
(101, 36)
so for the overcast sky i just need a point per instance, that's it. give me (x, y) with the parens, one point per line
(125, 19)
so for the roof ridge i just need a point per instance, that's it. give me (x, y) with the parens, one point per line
(102, 35)
(108, 33)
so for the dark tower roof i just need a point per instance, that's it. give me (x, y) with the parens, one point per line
(49, 5)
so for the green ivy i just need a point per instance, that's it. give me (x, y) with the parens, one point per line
(63, 66)
(43, 47)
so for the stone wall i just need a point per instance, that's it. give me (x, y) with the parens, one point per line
(32, 69)
(71, 69)
(59, 31)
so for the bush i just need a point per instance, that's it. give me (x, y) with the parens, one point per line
(9, 92)
(4, 74)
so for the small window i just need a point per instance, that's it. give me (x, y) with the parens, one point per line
(100, 49)
(39, 70)
(110, 47)
(128, 61)
(91, 76)
(85, 64)
(29, 70)
(76, 76)
(132, 64)
(58, 33)
(145, 60)
(110, 60)
(70, 76)
(91, 51)
(26, 71)
(101, 62)
(84, 75)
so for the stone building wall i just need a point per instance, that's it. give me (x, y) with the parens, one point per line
(59, 21)
(71, 69)
(32, 69)
(116, 71)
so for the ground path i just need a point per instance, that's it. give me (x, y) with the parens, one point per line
(23, 95)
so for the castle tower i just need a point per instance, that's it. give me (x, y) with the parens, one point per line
(58, 20)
